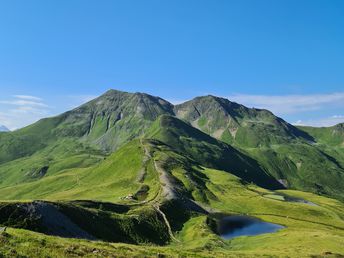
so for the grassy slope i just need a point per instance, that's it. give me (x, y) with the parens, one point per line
(194, 160)
(333, 136)
(310, 230)
(78, 136)
(286, 152)
(114, 177)
(73, 140)
(303, 166)
(207, 151)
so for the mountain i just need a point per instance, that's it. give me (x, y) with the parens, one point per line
(209, 152)
(236, 124)
(134, 169)
(106, 123)
(333, 135)
(4, 128)
(287, 153)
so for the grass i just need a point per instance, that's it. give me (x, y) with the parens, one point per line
(112, 178)
(309, 230)
(69, 160)
(274, 196)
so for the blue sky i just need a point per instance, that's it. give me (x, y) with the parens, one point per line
(287, 56)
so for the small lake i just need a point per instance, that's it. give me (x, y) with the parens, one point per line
(287, 198)
(235, 226)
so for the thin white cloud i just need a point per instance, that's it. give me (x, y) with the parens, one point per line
(21, 111)
(290, 104)
(23, 103)
(27, 97)
(322, 122)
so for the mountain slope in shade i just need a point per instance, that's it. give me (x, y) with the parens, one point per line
(209, 152)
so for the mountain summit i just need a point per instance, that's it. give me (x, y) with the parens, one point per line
(237, 124)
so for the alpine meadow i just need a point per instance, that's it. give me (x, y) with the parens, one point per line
(172, 129)
(130, 174)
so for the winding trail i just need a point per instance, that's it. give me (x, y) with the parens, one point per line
(157, 208)
(165, 187)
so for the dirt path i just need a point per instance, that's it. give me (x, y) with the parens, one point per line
(157, 208)
(168, 190)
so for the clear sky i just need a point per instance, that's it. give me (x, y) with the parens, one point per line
(287, 56)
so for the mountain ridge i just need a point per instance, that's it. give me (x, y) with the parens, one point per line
(104, 124)
(149, 177)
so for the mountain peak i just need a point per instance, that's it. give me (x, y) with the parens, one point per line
(235, 123)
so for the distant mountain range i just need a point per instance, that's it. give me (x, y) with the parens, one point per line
(167, 165)
(4, 128)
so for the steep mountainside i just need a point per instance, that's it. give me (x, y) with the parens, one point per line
(236, 124)
(156, 179)
(264, 148)
(288, 153)
(209, 152)
(105, 123)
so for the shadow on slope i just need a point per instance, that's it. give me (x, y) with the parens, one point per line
(209, 152)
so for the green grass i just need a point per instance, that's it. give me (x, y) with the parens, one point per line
(309, 230)
(112, 178)
(92, 154)
(333, 136)
(275, 197)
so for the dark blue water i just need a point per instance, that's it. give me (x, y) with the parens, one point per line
(234, 226)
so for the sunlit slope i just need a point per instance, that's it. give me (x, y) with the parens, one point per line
(61, 156)
(105, 123)
(78, 138)
(191, 161)
(113, 177)
(309, 230)
(333, 136)
(263, 149)
(236, 124)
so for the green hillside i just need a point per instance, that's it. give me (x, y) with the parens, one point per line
(236, 124)
(333, 135)
(129, 174)
(209, 152)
